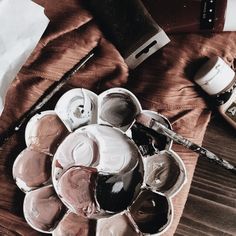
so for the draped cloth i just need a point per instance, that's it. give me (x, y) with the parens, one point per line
(162, 83)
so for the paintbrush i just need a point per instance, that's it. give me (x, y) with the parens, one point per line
(46, 96)
(153, 124)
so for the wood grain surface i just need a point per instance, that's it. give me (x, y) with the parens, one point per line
(211, 204)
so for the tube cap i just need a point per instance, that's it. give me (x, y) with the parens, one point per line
(230, 22)
(214, 76)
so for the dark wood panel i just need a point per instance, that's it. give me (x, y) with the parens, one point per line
(211, 204)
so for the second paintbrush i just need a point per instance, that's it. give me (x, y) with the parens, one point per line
(47, 95)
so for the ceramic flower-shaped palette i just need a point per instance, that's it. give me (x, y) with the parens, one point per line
(90, 169)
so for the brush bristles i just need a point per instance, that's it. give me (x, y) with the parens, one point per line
(144, 119)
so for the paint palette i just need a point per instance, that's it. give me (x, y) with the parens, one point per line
(90, 169)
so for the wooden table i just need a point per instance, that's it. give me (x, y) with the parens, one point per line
(211, 204)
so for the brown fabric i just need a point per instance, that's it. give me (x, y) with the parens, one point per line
(162, 83)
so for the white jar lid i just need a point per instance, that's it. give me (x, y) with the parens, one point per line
(230, 21)
(214, 76)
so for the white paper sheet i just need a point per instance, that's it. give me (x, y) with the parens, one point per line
(22, 25)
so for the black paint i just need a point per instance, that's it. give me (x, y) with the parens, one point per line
(129, 183)
(149, 141)
(151, 212)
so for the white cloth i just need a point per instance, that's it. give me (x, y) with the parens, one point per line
(22, 25)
